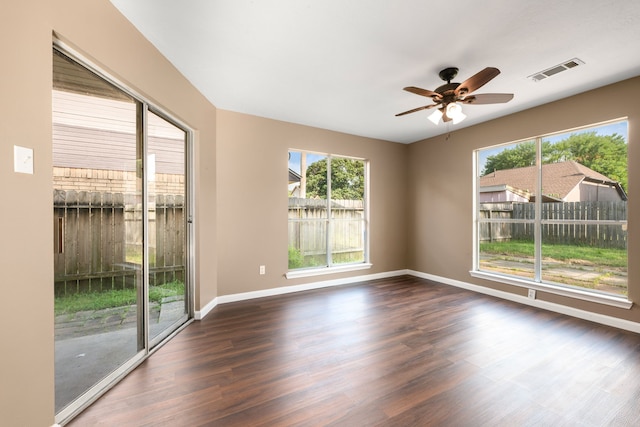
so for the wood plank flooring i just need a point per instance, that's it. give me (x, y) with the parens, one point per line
(393, 352)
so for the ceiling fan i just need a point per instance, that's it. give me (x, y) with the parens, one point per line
(449, 96)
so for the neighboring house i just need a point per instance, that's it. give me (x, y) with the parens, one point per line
(561, 182)
(94, 145)
(294, 183)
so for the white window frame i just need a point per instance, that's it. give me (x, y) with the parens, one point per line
(536, 283)
(340, 268)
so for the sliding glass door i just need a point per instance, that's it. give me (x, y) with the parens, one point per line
(166, 179)
(119, 232)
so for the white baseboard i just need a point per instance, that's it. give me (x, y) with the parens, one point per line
(557, 308)
(199, 315)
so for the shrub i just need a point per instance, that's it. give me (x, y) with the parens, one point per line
(296, 260)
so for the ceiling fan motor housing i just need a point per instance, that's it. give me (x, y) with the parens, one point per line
(448, 74)
(447, 90)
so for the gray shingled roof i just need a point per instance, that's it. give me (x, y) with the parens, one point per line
(558, 179)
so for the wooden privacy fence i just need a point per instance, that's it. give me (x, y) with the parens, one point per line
(308, 226)
(97, 240)
(167, 239)
(597, 235)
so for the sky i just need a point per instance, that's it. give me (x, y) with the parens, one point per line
(294, 159)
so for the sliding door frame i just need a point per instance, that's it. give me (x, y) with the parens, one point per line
(147, 348)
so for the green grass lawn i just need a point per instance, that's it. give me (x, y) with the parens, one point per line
(114, 298)
(602, 269)
(598, 256)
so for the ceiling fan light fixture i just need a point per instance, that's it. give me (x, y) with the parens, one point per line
(435, 116)
(457, 119)
(454, 112)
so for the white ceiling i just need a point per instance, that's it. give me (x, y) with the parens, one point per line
(342, 64)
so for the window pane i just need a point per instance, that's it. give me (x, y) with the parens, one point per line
(505, 248)
(307, 187)
(586, 165)
(166, 162)
(584, 180)
(307, 240)
(598, 263)
(347, 238)
(347, 179)
(307, 176)
(97, 229)
(506, 187)
(347, 210)
(507, 173)
(308, 211)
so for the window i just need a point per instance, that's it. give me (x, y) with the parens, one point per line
(551, 213)
(327, 211)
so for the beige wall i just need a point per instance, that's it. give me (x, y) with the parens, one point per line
(252, 198)
(441, 191)
(97, 30)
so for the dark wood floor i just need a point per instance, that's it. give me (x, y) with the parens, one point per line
(393, 352)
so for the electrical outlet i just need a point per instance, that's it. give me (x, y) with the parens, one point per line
(532, 294)
(263, 269)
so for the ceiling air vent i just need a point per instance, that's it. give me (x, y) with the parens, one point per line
(567, 65)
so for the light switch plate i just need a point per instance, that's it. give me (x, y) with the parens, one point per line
(22, 159)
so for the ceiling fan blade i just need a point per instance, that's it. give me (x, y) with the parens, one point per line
(423, 92)
(417, 109)
(488, 98)
(476, 81)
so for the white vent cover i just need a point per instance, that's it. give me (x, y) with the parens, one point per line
(567, 65)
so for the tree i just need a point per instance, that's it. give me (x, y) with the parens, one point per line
(347, 179)
(606, 154)
(522, 155)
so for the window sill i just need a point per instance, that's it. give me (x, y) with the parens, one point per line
(308, 272)
(610, 300)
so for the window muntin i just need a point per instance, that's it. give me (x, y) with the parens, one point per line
(575, 234)
(323, 234)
